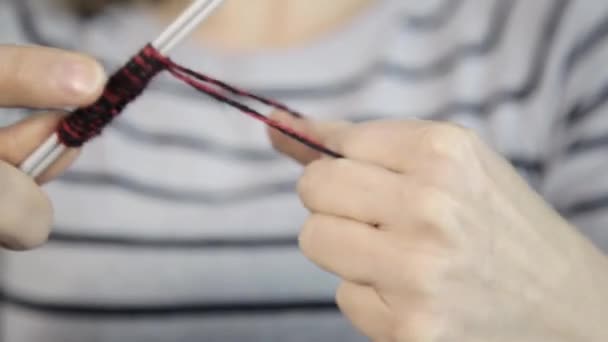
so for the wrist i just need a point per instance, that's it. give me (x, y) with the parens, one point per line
(578, 307)
(593, 292)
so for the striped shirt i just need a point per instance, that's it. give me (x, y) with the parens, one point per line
(180, 222)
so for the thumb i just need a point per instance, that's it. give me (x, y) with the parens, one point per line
(25, 211)
(26, 214)
(320, 131)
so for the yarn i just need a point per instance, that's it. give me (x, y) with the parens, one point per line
(130, 81)
(122, 88)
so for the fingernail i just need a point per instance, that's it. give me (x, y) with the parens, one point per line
(78, 77)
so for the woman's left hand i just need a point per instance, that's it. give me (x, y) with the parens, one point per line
(437, 238)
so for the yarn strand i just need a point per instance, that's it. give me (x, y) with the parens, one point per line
(130, 81)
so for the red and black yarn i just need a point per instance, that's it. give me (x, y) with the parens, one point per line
(122, 88)
(130, 81)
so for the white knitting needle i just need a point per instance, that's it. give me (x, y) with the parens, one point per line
(47, 153)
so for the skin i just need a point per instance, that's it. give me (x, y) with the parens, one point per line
(437, 238)
(36, 77)
(244, 26)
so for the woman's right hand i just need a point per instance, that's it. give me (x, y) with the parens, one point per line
(36, 77)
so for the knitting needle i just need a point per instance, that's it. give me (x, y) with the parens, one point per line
(42, 158)
(47, 153)
(52, 149)
(185, 24)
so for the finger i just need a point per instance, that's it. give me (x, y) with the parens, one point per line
(382, 199)
(403, 146)
(359, 253)
(366, 310)
(352, 250)
(352, 189)
(25, 211)
(42, 77)
(18, 141)
(421, 325)
(294, 149)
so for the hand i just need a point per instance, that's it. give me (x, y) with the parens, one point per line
(437, 238)
(36, 77)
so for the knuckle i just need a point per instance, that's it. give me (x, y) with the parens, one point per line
(307, 239)
(310, 178)
(432, 203)
(342, 296)
(447, 141)
(437, 214)
(425, 270)
(318, 175)
(417, 326)
(356, 141)
(442, 171)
